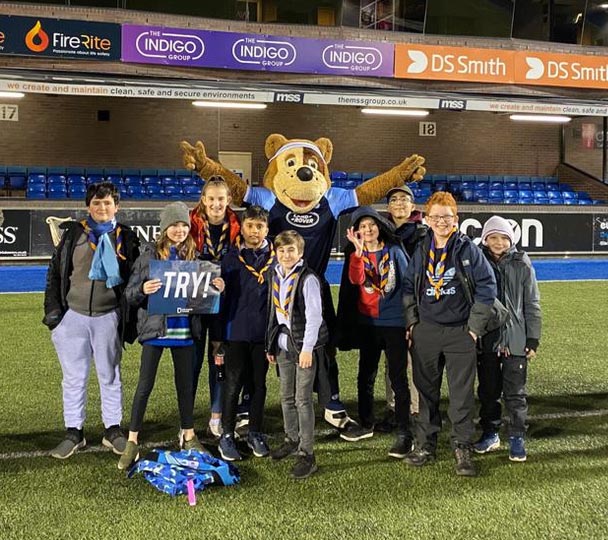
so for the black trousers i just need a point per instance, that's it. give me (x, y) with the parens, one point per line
(245, 364)
(391, 340)
(327, 384)
(502, 376)
(433, 349)
(183, 358)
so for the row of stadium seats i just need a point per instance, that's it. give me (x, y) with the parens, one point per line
(152, 191)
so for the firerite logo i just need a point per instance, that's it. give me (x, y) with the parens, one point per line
(42, 38)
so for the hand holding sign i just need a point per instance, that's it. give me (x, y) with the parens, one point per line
(152, 286)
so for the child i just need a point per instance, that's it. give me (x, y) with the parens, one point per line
(444, 321)
(214, 229)
(86, 312)
(376, 268)
(244, 270)
(157, 332)
(410, 230)
(296, 337)
(503, 361)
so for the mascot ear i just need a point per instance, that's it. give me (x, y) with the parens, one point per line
(273, 143)
(327, 149)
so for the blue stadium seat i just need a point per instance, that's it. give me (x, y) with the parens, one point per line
(94, 178)
(468, 195)
(539, 185)
(173, 192)
(511, 201)
(75, 170)
(155, 191)
(35, 178)
(136, 192)
(356, 177)
(583, 195)
(511, 185)
(467, 185)
(36, 191)
(148, 172)
(96, 171)
(570, 201)
(455, 187)
(192, 192)
(553, 186)
(368, 175)
(510, 179)
(556, 200)
(482, 178)
(55, 179)
(526, 194)
(493, 179)
(165, 172)
(523, 179)
(554, 194)
(481, 195)
(56, 170)
(183, 172)
(151, 181)
(112, 172)
(497, 194)
(187, 181)
(116, 179)
(511, 194)
(338, 176)
(57, 191)
(467, 177)
(540, 194)
(131, 180)
(497, 185)
(453, 177)
(131, 172)
(565, 187)
(524, 185)
(440, 185)
(170, 181)
(568, 195)
(425, 185)
(481, 185)
(585, 201)
(497, 200)
(77, 191)
(76, 179)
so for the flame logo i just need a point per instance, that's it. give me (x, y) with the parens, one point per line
(42, 38)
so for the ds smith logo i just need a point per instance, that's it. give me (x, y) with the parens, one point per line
(37, 40)
(285, 97)
(461, 64)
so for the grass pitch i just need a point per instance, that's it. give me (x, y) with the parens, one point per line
(359, 492)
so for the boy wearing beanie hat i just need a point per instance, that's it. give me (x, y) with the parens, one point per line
(505, 352)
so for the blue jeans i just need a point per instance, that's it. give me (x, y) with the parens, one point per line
(296, 399)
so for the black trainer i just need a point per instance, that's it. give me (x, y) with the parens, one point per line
(464, 461)
(387, 424)
(304, 467)
(420, 457)
(355, 433)
(401, 447)
(288, 448)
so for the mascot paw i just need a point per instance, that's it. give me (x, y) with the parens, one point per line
(411, 169)
(195, 157)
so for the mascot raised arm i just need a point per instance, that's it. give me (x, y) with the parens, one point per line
(297, 192)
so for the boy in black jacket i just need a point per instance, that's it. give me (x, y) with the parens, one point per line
(85, 309)
(244, 269)
(295, 340)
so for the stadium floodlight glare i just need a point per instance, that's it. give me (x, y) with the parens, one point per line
(229, 105)
(9, 95)
(395, 112)
(603, 6)
(540, 118)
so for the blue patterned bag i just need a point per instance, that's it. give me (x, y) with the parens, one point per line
(170, 471)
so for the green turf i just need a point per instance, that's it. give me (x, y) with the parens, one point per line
(359, 492)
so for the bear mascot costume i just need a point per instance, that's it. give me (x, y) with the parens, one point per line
(297, 193)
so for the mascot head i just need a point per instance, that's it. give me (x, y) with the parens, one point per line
(298, 172)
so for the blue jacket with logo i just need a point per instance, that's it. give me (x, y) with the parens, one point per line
(471, 268)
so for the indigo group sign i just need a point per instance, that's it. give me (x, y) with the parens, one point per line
(63, 38)
(230, 50)
(186, 287)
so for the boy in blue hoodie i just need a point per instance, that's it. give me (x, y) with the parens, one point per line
(502, 363)
(244, 270)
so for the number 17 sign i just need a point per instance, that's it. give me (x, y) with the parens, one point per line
(187, 288)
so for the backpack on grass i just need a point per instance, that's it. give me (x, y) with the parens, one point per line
(170, 471)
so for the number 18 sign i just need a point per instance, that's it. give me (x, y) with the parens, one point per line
(186, 288)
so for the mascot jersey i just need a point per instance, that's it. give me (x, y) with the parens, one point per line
(317, 227)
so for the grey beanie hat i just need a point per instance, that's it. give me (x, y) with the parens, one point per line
(497, 224)
(173, 213)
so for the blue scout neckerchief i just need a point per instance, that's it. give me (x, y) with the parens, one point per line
(105, 265)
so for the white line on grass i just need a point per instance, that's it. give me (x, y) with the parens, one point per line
(319, 432)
